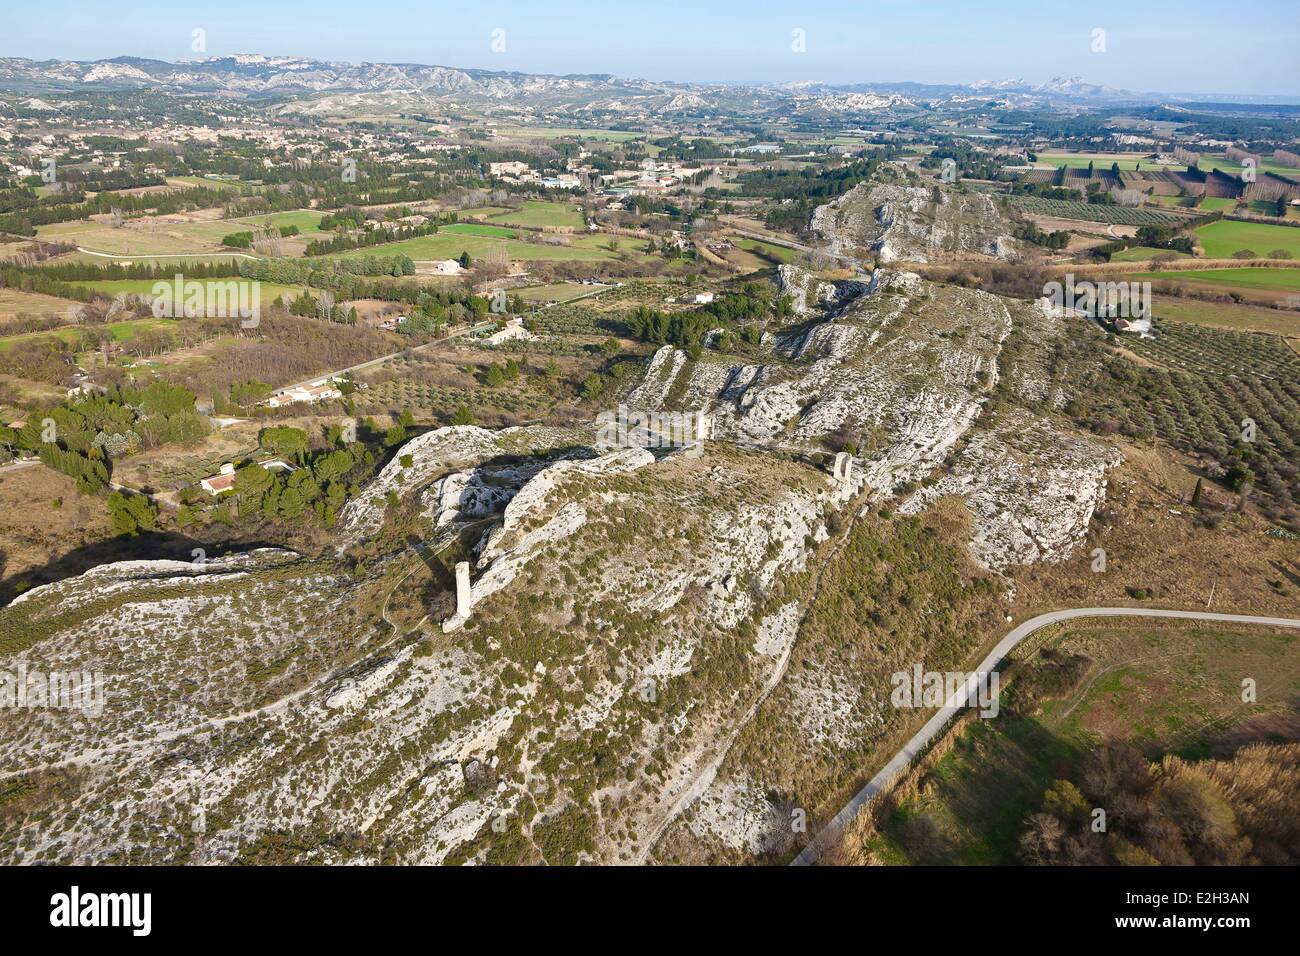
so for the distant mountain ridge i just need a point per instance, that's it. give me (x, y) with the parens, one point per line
(259, 76)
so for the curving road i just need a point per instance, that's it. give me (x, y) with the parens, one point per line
(877, 784)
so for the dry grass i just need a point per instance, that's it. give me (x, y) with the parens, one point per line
(33, 531)
(1172, 556)
(12, 302)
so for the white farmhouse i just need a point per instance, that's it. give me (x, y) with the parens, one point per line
(513, 329)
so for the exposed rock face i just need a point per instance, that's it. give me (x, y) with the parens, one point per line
(476, 493)
(529, 506)
(915, 223)
(292, 710)
(902, 370)
(808, 293)
(445, 449)
(636, 606)
(1030, 486)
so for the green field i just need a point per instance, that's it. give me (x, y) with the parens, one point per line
(536, 213)
(1161, 690)
(1239, 316)
(270, 291)
(1259, 278)
(1102, 161)
(445, 245)
(1223, 238)
(1139, 253)
(478, 229)
(120, 331)
(1220, 162)
(1215, 203)
(780, 253)
(307, 221)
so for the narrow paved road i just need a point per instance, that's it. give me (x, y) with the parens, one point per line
(370, 363)
(797, 246)
(935, 724)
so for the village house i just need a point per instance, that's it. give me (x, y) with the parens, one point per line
(221, 482)
(224, 480)
(318, 391)
(512, 329)
(508, 169)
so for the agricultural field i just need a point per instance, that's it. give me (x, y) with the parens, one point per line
(535, 214)
(14, 301)
(768, 249)
(1218, 352)
(307, 221)
(577, 319)
(1142, 253)
(1103, 161)
(270, 291)
(1222, 239)
(145, 237)
(1197, 387)
(1161, 690)
(119, 332)
(1236, 316)
(215, 254)
(561, 132)
(435, 382)
(1216, 203)
(1089, 212)
(441, 401)
(478, 229)
(200, 234)
(443, 245)
(558, 292)
(476, 211)
(1221, 162)
(1244, 278)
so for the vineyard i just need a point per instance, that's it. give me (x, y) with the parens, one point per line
(1090, 212)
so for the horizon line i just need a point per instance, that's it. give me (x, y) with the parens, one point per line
(968, 84)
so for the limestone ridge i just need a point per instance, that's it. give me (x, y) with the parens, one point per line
(914, 223)
(630, 604)
(902, 370)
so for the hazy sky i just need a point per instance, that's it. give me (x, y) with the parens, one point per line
(1189, 46)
